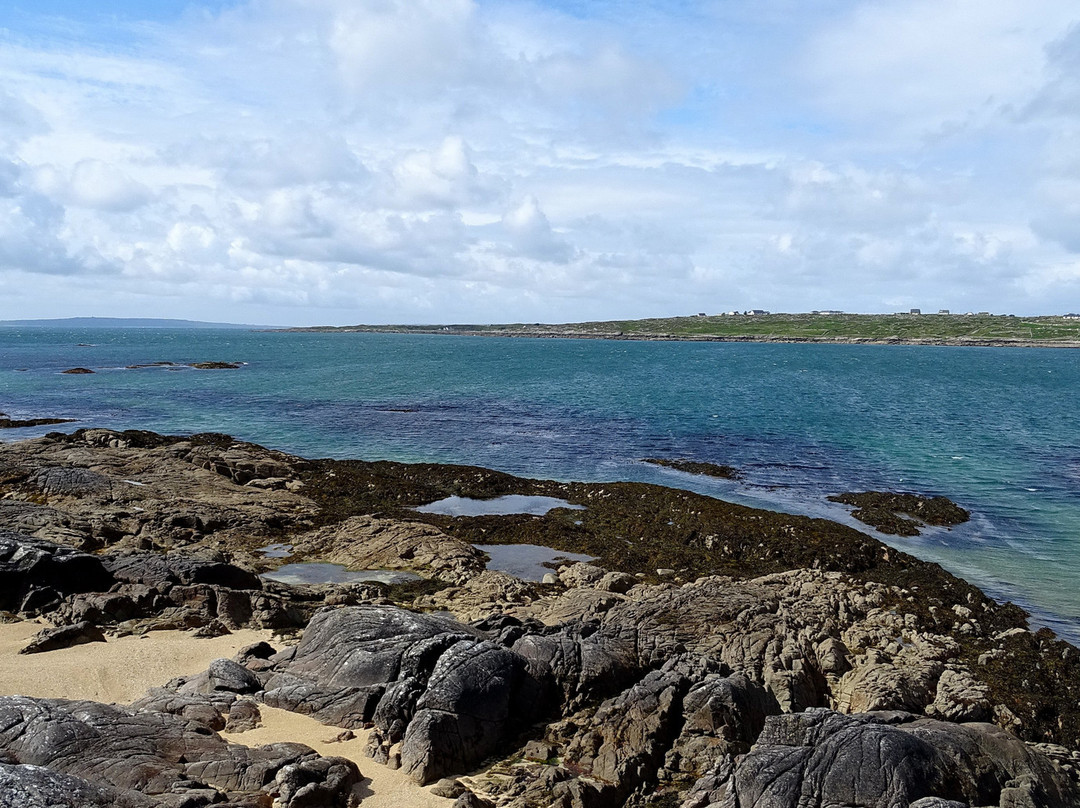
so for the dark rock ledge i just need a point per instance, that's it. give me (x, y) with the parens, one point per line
(16, 423)
(697, 467)
(902, 514)
(782, 663)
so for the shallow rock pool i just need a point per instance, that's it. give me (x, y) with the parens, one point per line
(499, 506)
(319, 573)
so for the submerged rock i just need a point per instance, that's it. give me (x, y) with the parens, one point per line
(697, 467)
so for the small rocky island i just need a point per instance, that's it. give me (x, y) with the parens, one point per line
(710, 654)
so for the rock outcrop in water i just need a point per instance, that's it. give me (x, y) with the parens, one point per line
(697, 467)
(902, 514)
(16, 423)
(778, 661)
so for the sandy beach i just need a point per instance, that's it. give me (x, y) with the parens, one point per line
(117, 671)
(381, 788)
(122, 669)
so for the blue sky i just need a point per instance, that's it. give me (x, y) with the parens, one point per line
(342, 161)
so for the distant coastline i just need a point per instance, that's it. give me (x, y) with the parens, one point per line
(993, 331)
(127, 322)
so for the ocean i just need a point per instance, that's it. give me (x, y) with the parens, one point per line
(995, 429)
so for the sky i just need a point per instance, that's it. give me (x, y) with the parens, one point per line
(306, 162)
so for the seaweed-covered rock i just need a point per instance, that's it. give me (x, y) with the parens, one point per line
(886, 511)
(20, 423)
(697, 467)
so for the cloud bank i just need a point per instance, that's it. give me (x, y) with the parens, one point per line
(341, 161)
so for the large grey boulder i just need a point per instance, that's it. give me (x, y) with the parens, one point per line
(72, 482)
(883, 760)
(470, 706)
(722, 717)
(37, 574)
(347, 658)
(165, 570)
(578, 664)
(366, 542)
(446, 693)
(625, 745)
(37, 787)
(158, 754)
(170, 590)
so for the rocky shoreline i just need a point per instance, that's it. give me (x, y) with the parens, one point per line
(575, 333)
(711, 655)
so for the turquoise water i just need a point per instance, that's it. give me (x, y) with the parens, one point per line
(997, 430)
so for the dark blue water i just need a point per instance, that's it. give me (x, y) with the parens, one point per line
(997, 430)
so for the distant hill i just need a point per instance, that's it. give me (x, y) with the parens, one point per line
(120, 322)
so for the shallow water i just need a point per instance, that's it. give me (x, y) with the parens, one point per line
(319, 573)
(997, 430)
(498, 506)
(530, 562)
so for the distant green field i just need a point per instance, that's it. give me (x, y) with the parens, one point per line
(782, 326)
(856, 326)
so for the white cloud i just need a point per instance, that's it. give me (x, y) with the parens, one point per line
(442, 178)
(96, 184)
(416, 47)
(531, 235)
(384, 159)
(919, 65)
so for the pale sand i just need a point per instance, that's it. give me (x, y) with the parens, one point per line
(382, 787)
(124, 668)
(118, 671)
